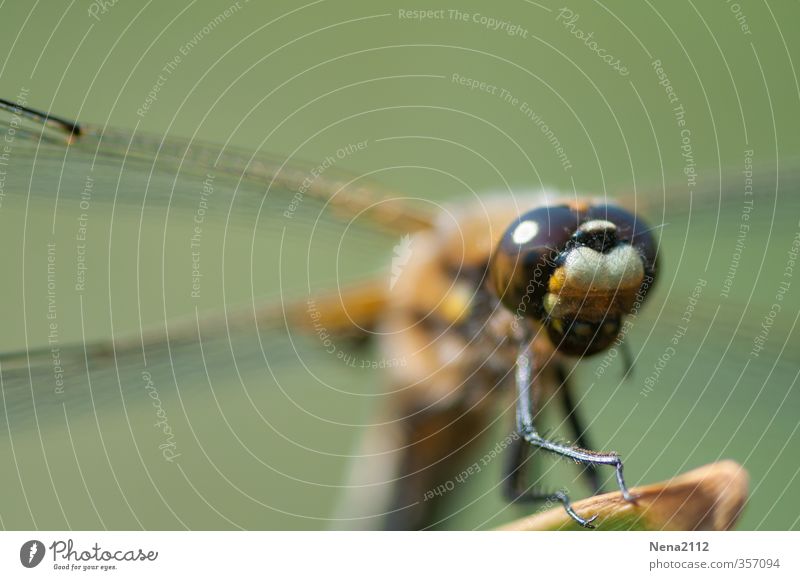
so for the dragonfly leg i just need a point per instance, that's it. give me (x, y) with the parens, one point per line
(515, 492)
(526, 428)
(627, 360)
(579, 430)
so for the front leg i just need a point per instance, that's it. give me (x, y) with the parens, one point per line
(579, 431)
(515, 491)
(526, 428)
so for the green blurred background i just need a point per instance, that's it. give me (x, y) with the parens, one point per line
(267, 448)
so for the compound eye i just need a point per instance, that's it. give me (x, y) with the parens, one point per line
(526, 257)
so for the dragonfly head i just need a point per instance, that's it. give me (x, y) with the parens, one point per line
(577, 270)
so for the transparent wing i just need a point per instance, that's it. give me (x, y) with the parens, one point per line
(184, 263)
(728, 242)
(716, 344)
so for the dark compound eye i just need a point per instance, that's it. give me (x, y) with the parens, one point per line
(526, 257)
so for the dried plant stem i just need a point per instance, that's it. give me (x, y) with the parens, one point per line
(707, 498)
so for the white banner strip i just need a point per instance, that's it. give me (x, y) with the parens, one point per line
(402, 555)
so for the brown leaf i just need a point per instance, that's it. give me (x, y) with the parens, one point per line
(707, 498)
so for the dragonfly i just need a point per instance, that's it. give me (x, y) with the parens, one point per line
(466, 312)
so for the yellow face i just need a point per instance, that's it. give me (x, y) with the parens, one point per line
(592, 285)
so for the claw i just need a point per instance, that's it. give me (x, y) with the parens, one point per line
(630, 497)
(562, 497)
(583, 522)
(626, 494)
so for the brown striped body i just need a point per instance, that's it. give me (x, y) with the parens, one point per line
(458, 346)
